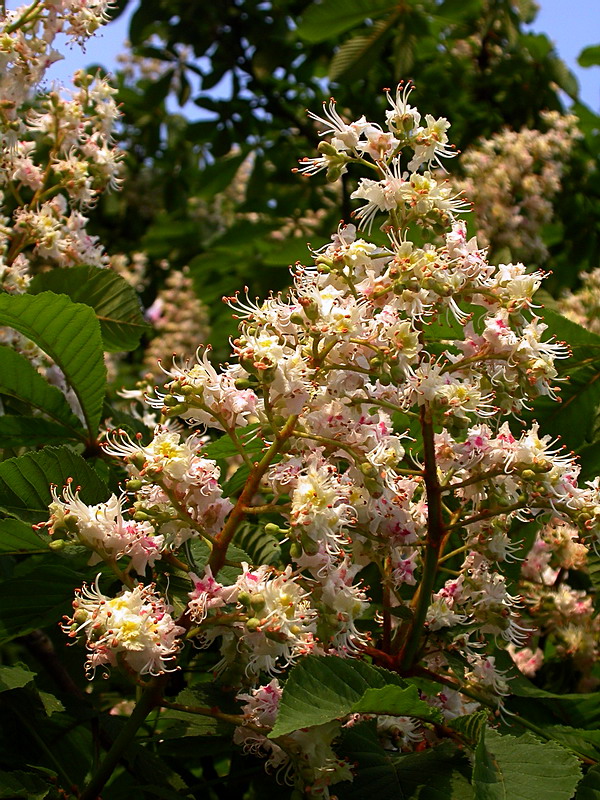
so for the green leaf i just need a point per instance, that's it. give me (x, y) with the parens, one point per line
(22, 784)
(332, 17)
(39, 598)
(589, 56)
(20, 379)
(470, 725)
(70, 334)
(589, 788)
(352, 54)
(18, 537)
(186, 724)
(25, 481)
(225, 448)
(573, 418)
(31, 431)
(397, 702)
(237, 481)
(114, 301)
(262, 547)
(439, 773)
(524, 768)
(218, 176)
(14, 678)
(321, 689)
(51, 703)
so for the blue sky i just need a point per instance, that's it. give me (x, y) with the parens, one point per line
(570, 24)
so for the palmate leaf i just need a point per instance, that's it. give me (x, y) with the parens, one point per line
(25, 481)
(332, 17)
(440, 773)
(321, 689)
(70, 334)
(523, 768)
(19, 379)
(114, 301)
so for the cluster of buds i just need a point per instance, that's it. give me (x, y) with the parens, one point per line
(358, 409)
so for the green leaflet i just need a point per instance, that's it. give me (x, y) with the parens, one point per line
(20, 379)
(331, 17)
(70, 334)
(14, 677)
(25, 481)
(523, 768)
(440, 773)
(321, 689)
(19, 537)
(113, 300)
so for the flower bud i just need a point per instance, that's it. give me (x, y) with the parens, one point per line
(257, 601)
(57, 544)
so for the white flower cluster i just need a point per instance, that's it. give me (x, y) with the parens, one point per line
(367, 414)
(135, 626)
(56, 153)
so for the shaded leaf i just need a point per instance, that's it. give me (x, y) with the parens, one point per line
(14, 677)
(70, 334)
(35, 600)
(331, 17)
(523, 768)
(262, 547)
(26, 431)
(19, 537)
(589, 787)
(440, 773)
(573, 418)
(114, 301)
(353, 53)
(20, 379)
(25, 481)
(22, 784)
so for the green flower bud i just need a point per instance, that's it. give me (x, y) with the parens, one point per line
(57, 544)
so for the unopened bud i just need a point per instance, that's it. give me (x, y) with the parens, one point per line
(244, 383)
(70, 522)
(253, 624)
(296, 550)
(180, 408)
(257, 601)
(57, 544)
(327, 149)
(272, 529)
